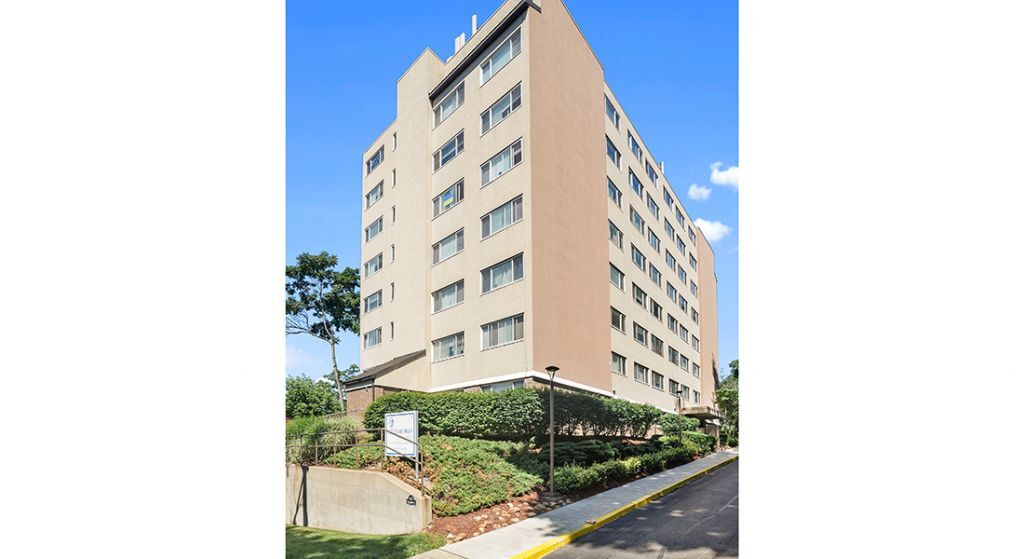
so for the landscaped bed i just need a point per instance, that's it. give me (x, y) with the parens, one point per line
(479, 484)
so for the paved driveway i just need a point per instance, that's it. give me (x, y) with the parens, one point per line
(699, 520)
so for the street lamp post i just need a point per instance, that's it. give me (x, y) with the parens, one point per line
(551, 369)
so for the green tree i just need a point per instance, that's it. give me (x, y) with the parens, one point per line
(322, 302)
(728, 398)
(734, 369)
(348, 373)
(304, 397)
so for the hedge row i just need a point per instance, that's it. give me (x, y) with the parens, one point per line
(313, 439)
(520, 413)
(574, 479)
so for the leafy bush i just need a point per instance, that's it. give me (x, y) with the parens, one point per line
(704, 442)
(575, 479)
(673, 424)
(313, 439)
(582, 453)
(516, 413)
(303, 398)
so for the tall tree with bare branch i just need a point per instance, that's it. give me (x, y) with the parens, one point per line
(322, 302)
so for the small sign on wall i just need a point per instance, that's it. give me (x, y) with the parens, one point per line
(398, 428)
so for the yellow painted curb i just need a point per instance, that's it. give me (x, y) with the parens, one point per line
(591, 525)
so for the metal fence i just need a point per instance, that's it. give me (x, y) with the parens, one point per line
(311, 449)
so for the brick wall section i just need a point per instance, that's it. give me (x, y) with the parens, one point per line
(360, 398)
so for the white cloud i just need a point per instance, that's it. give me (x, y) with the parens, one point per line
(728, 177)
(714, 231)
(698, 192)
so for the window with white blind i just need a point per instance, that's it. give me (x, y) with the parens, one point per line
(640, 372)
(372, 338)
(452, 101)
(374, 229)
(501, 163)
(373, 265)
(449, 296)
(449, 347)
(376, 193)
(502, 274)
(657, 380)
(640, 334)
(449, 246)
(372, 302)
(502, 217)
(501, 332)
(449, 150)
(618, 364)
(501, 56)
(501, 109)
(449, 198)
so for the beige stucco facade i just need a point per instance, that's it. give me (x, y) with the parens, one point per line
(564, 294)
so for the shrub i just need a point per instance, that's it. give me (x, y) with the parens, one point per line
(574, 478)
(313, 439)
(304, 398)
(673, 424)
(704, 442)
(583, 453)
(516, 413)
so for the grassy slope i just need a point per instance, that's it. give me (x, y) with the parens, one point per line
(310, 543)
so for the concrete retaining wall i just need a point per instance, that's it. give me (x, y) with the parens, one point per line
(354, 501)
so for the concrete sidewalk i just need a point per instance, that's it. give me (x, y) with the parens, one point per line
(546, 532)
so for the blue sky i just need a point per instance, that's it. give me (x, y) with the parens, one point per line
(672, 66)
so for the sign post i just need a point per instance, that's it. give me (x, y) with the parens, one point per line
(402, 436)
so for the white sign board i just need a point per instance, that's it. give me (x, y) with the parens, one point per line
(404, 424)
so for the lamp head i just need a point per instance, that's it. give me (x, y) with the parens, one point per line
(551, 369)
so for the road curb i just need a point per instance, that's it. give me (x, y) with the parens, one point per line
(589, 526)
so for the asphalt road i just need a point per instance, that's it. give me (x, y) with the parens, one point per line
(699, 520)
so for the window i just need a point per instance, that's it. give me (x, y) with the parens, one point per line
(679, 217)
(392, 296)
(614, 234)
(640, 333)
(372, 302)
(374, 229)
(673, 324)
(693, 288)
(449, 198)
(680, 245)
(617, 277)
(671, 291)
(447, 106)
(652, 206)
(650, 173)
(501, 274)
(683, 304)
(684, 362)
(684, 334)
(693, 262)
(693, 237)
(654, 241)
(695, 342)
(394, 178)
(501, 109)
(638, 258)
(394, 141)
(681, 273)
(640, 373)
(373, 265)
(657, 380)
(656, 310)
(375, 161)
(636, 220)
(618, 364)
(618, 320)
(501, 56)
(449, 296)
(449, 246)
(657, 345)
(669, 230)
(694, 316)
(501, 163)
(502, 386)
(696, 397)
(614, 193)
(372, 338)
(670, 260)
(654, 274)
(673, 387)
(392, 324)
(613, 152)
(449, 347)
(502, 217)
(668, 200)
(609, 110)
(393, 215)
(392, 253)
(696, 370)
(686, 393)
(639, 296)
(635, 184)
(501, 332)
(449, 150)
(673, 355)
(634, 146)
(376, 193)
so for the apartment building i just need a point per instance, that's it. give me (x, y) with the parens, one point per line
(514, 218)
